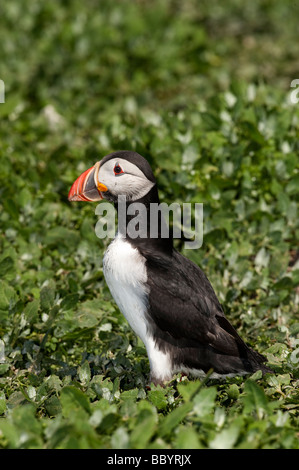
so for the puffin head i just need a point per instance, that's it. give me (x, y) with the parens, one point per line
(121, 173)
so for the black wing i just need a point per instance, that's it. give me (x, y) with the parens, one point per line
(184, 305)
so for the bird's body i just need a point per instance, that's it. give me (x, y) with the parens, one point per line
(166, 298)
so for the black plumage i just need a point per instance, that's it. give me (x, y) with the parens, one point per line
(187, 320)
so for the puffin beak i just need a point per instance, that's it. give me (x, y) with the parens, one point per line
(87, 187)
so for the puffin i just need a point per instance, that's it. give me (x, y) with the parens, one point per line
(165, 297)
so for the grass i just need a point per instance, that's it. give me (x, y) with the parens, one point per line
(203, 92)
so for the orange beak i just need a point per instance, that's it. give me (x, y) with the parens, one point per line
(87, 187)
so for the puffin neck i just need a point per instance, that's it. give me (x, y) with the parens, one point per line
(145, 243)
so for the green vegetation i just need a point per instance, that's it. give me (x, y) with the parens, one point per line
(201, 89)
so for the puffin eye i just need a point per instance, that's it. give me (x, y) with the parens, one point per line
(117, 169)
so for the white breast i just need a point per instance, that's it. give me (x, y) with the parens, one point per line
(125, 273)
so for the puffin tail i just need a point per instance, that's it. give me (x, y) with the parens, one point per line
(257, 362)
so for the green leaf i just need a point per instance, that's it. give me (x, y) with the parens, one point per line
(4, 368)
(262, 258)
(190, 156)
(84, 373)
(8, 296)
(174, 418)
(7, 266)
(204, 401)
(73, 400)
(90, 313)
(53, 406)
(284, 283)
(143, 429)
(47, 296)
(129, 394)
(233, 392)
(23, 429)
(187, 438)
(227, 438)
(120, 439)
(69, 301)
(158, 398)
(187, 389)
(31, 310)
(2, 402)
(254, 399)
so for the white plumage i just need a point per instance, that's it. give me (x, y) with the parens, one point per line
(125, 273)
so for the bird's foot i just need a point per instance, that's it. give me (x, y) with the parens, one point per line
(157, 381)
